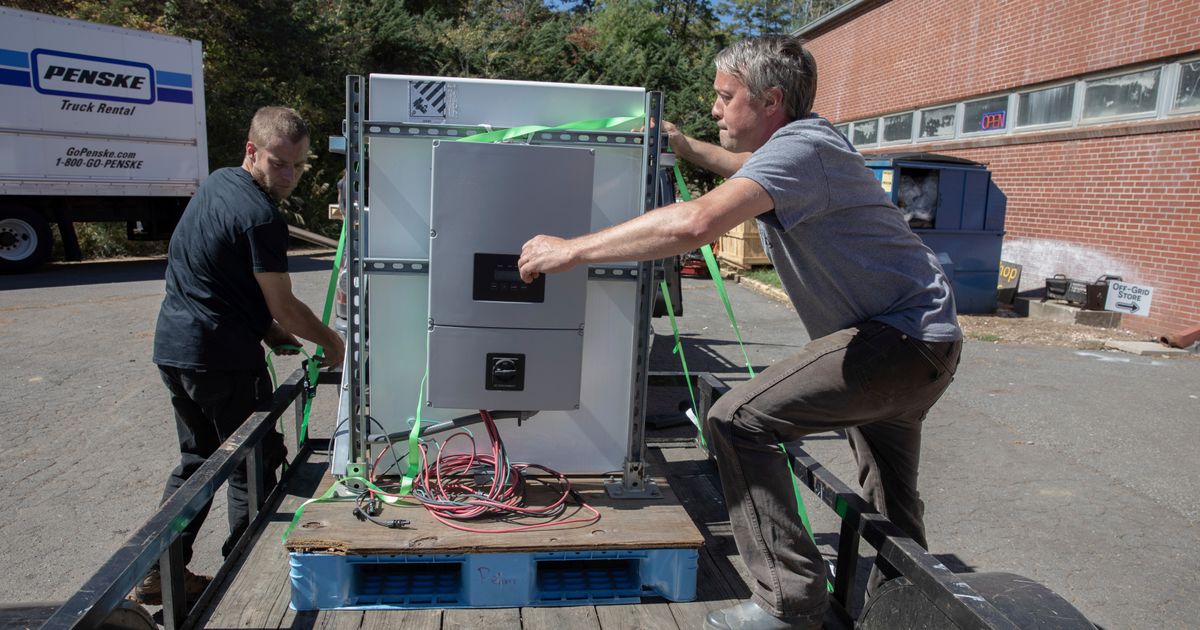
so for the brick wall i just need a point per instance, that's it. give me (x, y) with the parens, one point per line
(1108, 199)
(912, 53)
(1127, 206)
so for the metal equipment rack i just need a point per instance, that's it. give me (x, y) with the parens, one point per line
(358, 130)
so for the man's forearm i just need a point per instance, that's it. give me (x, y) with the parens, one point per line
(297, 319)
(659, 234)
(708, 156)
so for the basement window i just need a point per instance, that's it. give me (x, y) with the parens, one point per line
(937, 122)
(1046, 107)
(989, 115)
(866, 132)
(1187, 95)
(898, 128)
(1130, 94)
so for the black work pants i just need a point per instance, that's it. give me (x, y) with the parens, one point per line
(209, 407)
(872, 381)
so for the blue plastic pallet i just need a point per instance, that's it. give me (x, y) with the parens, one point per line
(499, 580)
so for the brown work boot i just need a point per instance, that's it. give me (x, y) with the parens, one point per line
(149, 592)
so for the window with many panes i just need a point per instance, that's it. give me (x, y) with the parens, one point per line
(937, 122)
(987, 115)
(1046, 107)
(866, 132)
(1123, 95)
(898, 128)
(1104, 97)
(1187, 95)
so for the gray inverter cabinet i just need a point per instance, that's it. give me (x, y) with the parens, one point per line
(496, 342)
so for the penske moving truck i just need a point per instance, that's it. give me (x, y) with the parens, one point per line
(97, 123)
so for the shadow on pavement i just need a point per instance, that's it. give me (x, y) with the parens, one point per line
(62, 274)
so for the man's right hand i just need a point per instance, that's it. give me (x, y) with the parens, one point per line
(335, 352)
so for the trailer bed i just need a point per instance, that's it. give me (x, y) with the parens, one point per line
(258, 590)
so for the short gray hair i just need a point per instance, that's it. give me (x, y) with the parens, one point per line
(768, 61)
(275, 122)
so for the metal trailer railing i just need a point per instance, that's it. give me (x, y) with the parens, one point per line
(158, 540)
(927, 593)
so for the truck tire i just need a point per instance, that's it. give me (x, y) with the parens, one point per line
(25, 239)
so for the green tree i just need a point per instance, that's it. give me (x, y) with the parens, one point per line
(635, 42)
(259, 52)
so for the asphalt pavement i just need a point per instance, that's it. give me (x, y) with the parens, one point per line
(1076, 469)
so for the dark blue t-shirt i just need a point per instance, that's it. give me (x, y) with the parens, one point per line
(214, 315)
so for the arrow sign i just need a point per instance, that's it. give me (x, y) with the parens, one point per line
(1124, 297)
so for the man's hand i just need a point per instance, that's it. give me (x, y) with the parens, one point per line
(707, 156)
(670, 132)
(334, 353)
(276, 338)
(675, 138)
(544, 254)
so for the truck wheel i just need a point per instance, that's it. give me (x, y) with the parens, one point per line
(24, 239)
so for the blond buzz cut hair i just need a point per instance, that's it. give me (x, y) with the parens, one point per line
(276, 122)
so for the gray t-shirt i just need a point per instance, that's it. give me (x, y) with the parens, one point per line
(842, 250)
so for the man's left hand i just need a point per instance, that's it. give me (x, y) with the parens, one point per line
(544, 254)
(276, 338)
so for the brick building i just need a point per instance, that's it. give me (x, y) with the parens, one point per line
(1087, 114)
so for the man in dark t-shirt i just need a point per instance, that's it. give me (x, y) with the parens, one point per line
(228, 292)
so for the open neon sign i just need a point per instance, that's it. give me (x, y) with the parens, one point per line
(992, 120)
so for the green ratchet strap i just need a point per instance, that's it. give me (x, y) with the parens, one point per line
(719, 283)
(715, 272)
(414, 434)
(271, 364)
(330, 496)
(312, 361)
(594, 124)
(313, 364)
(678, 349)
(275, 383)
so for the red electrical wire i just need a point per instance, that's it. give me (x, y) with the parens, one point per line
(449, 489)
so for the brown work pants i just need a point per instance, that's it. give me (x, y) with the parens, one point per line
(872, 381)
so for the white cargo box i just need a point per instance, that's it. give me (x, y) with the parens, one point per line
(98, 110)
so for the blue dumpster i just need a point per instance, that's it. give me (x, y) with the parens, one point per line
(956, 209)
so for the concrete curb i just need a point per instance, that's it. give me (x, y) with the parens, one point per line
(776, 294)
(1145, 348)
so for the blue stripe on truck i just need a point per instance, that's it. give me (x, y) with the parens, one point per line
(15, 77)
(174, 79)
(14, 58)
(167, 95)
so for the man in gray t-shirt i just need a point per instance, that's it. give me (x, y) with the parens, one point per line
(885, 338)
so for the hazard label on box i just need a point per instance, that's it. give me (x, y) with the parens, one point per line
(428, 99)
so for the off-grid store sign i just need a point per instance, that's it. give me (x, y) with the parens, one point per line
(1128, 298)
